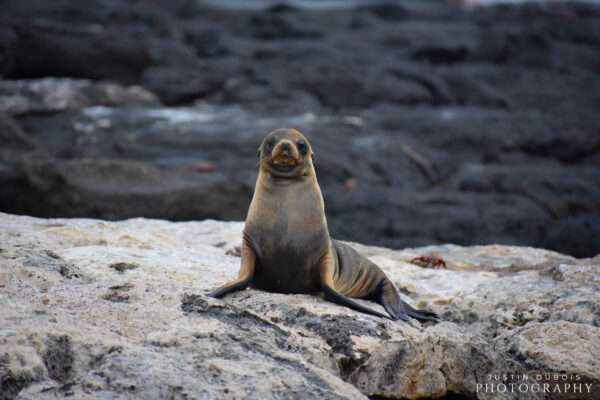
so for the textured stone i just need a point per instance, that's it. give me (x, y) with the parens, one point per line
(96, 309)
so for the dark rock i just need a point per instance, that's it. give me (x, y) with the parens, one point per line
(472, 217)
(206, 42)
(277, 27)
(430, 123)
(40, 51)
(435, 42)
(438, 89)
(387, 11)
(468, 89)
(555, 188)
(574, 235)
(7, 39)
(182, 85)
(402, 90)
(336, 88)
(112, 189)
(13, 137)
(170, 53)
(281, 8)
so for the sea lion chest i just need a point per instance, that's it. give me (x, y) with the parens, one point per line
(287, 230)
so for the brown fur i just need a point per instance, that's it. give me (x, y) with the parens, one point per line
(286, 244)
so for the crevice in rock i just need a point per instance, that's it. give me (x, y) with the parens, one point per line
(439, 92)
(119, 293)
(54, 262)
(439, 55)
(123, 266)
(11, 384)
(245, 320)
(58, 357)
(242, 319)
(348, 365)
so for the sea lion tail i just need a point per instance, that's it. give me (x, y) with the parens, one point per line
(398, 309)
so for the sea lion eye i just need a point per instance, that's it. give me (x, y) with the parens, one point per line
(302, 147)
(269, 145)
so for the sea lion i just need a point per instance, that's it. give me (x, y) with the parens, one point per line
(286, 245)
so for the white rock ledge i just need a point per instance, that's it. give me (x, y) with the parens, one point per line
(93, 309)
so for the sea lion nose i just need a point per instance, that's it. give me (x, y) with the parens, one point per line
(286, 148)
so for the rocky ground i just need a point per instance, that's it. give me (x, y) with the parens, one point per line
(102, 310)
(431, 124)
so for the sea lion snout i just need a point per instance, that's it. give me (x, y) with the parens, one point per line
(286, 146)
(285, 151)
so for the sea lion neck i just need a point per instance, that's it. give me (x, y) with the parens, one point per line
(299, 196)
(277, 181)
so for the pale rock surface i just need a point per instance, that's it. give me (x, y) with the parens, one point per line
(117, 310)
(51, 95)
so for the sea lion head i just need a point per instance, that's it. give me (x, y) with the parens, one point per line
(285, 153)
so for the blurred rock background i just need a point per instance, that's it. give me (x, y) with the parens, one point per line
(431, 122)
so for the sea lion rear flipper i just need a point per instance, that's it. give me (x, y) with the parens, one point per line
(246, 274)
(338, 298)
(398, 309)
(235, 285)
(327, 268)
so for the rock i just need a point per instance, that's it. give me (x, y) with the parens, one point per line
(549, 347)
(277, 27)
(80, 187)
(467, 89)
(466, 126)
(336, 85)
(93, 40)
(52, 95)
(12, 136)
(439, 42)
(574, 235)
(387, 12)
(488, 190)
(206, 42)
(40, 50)
(181, 85)
(136, 322)
(403, 90)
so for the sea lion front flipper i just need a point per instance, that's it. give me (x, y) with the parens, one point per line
(398, 309)
(245, 277)
(328, 287)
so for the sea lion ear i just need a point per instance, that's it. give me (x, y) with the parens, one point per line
(258, 152)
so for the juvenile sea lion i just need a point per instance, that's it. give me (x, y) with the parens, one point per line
(286, 245)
